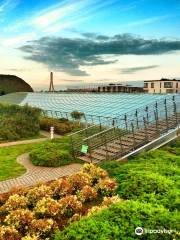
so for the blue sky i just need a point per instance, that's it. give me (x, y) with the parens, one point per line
(32, 29)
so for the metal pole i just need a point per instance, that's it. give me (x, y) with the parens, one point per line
(125, 119)
(134, 140)
(165, 105)
(137, 120)
(145, 127)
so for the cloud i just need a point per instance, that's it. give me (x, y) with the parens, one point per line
(137, 69)
(147, 21)
(71, 54)
(7, 5)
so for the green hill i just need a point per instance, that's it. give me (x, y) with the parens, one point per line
(11, 83)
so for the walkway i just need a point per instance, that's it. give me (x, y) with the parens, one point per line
(37, 174)
(36, 140)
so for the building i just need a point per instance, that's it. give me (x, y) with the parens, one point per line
(114, 88)
(162, 86)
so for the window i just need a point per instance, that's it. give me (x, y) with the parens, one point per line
(169, 91)
(160, 84)
(145, 85)
(152, 85)
(177, 85)
(168, 85)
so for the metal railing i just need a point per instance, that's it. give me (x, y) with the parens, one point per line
(138, 127)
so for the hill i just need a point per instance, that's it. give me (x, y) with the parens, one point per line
(11, 83)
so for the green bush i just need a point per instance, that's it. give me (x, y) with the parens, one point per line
(135, 183)
(149, 177)
(18, 122)
(61, 126)
(120, 221)
(51, 154)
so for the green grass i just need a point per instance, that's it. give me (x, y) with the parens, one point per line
(9, 168)
(22, 139)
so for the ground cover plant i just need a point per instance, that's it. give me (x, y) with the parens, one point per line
(35, 213)
(14, 119)
(148, 186)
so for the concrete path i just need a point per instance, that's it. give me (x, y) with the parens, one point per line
(37, 174)
(36, 140)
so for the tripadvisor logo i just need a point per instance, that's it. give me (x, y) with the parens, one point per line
(139, 231)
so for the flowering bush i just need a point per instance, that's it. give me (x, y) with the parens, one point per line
(37, 193)
(35, 213)
(47, 207)
(20, 219)
(94, 172)
(87, 194)
(79, 180)
(75, 217)
(31, 237)
(107, 201)
(9, 233)
(44, 228)
(95, 209)
(106, 187)
(61, 187)
(14, 202)
(70, 205)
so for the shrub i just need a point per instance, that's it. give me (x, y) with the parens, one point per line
(120, 221)
(15, 202)
(37, 193)
(106, 187)
(76, 115)
(61, 187)
(87, 194)
(9, 233)
(50, 154)
(20, 219)
(70, 205)
(61, 126)
(18, 122)
(94, 172)
(79, 180)
(44, 228)
(47, 207)
(136, 183)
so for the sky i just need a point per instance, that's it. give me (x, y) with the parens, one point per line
(89, 41)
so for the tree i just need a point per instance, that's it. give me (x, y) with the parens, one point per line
(77, 115)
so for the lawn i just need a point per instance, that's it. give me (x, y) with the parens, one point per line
(9, 168)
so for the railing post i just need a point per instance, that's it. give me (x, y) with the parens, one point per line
(145, 127)
(120, 140)
(137, 120)
(157, 116)
(100, 123)
(147, 114)
(165, 105)
(107, 156)
(125, 119)
(175, 110)
(134, 140)
(157, 129)
(90, 152)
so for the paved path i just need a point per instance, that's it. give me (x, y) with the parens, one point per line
(36, 140)
(36, 174)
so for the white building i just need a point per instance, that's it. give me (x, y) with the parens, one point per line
(162, 86)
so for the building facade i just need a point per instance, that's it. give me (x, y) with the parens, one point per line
(114, 88)
(162, 86)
